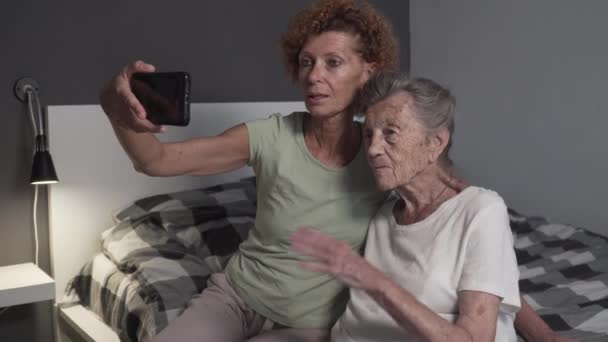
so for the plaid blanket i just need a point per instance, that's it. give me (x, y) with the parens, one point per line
(563, 275)
(164, 248)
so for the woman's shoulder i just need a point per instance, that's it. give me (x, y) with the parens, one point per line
(481, 210)
(278, 117)
(276, 124)
(286, 116)
(476, 199)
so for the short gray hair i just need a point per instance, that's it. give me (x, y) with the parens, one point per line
(433, 105)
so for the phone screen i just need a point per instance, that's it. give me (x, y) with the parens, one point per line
(164, 96)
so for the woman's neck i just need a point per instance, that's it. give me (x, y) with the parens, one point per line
(424, 194)
(333, 141)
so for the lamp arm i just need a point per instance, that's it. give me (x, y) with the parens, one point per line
(41, 129)
(32, 96)
(29, 93)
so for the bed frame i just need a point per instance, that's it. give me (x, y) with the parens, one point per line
(97, 179)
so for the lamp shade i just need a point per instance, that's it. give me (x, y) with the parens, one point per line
(43, 170)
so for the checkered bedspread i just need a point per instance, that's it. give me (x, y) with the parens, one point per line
(164, 247)
(564, 275)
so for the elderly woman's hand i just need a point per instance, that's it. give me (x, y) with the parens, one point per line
(336, 258)
(121, 105)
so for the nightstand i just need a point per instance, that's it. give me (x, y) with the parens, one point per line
(24, 283)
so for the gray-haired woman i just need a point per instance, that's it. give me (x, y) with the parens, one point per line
(439, 261)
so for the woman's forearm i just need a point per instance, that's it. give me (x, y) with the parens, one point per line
(414, 316)
(530, 326)
(199, 156)
(144, 149)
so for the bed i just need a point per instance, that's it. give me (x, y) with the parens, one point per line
(132, 250)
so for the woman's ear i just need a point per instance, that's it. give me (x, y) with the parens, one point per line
(438, 142)
(370, 69)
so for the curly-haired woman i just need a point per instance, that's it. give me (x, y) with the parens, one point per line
(310, 168)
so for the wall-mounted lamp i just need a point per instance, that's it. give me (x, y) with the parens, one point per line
(43, 170)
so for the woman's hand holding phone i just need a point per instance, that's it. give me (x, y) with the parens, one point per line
(120, 103)
(164, 95)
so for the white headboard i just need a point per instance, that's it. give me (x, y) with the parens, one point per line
(97, 178)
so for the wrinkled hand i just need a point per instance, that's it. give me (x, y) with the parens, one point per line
(336, 258)
(120, 104)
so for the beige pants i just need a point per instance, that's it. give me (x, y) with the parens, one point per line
(219, 314)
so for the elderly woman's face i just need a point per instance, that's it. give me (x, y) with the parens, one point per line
(396, 142)
(330, 71)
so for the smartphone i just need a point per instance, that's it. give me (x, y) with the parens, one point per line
(164, 95)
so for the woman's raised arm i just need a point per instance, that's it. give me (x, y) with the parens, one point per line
(202, 156)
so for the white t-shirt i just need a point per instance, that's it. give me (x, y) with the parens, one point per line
(466, 244)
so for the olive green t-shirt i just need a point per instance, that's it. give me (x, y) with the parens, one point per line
(294, 189)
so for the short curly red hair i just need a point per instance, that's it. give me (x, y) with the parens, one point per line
(377, 41)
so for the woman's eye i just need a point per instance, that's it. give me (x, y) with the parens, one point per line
(334, 63)
(390, 135)
(305, 62)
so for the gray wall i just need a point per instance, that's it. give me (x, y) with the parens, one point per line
(72, 47)
(530, 81)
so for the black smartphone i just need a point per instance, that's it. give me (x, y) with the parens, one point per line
(164, 95)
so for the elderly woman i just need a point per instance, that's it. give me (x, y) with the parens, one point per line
(310, 169)
(439, 261)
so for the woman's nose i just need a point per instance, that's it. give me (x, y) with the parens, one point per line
(316, 73)
(374, 147)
